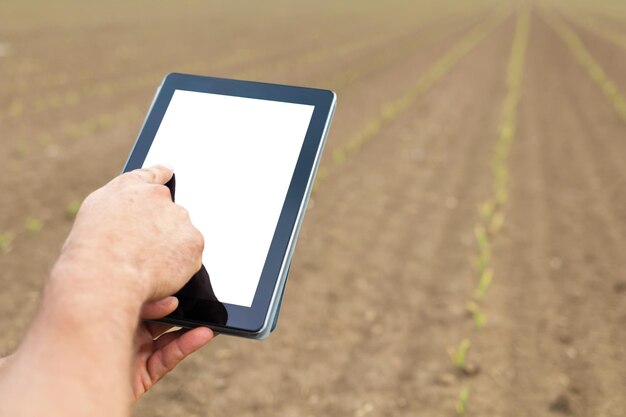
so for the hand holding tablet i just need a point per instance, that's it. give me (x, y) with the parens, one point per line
(245, 156)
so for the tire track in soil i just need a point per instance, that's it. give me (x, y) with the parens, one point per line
(558, 319)
(371, 217)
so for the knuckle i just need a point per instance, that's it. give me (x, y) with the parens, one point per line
(199, 240)
(129, 176)
(141, 175)
(149, 173)
(162, 191)
(196, 247)
(198, 263)
(183, 212)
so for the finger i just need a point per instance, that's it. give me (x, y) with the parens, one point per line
(157, 174)
(179, 345)
(160, 308)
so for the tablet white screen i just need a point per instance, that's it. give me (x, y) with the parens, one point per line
(234, 159)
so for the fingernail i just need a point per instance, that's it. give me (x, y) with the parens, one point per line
(167, 301)
(168, 166)
(207, 333)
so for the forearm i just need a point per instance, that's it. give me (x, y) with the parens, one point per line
(77, 353)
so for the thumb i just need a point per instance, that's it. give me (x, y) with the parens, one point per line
(157, 174)
(159, 309)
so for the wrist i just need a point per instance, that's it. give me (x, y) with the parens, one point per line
(81, 339)
(101, 273)
(83, 289)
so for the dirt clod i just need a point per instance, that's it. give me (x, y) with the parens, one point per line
(620, 287)
(561, 404)
(471, 369)
(447, 379)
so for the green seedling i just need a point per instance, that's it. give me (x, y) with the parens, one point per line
(506, 131)
(479, 317)
(339, 156)
(486, 211)
(501, 175)
(459, 356)
(322, 174)
(482, 238)
(480, 263)
(388, 112)
(354, 145)
(33, 225)
(6, 239)
(501, 195)
(484, 248)
(497, 221)
(462, 400)
(483, 283)
(72, 208)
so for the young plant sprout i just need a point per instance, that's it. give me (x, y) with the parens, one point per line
(72, 208)
(462, 400)
(484, 283)
(459, 356)
(479, 317)
(33, 225)
(6, 238)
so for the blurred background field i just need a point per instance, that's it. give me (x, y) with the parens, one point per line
(463, 252)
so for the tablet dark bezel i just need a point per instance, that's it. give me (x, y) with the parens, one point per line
(240, 318)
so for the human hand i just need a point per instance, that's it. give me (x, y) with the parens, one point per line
(130, 247)
(132, 229)
(158, 350)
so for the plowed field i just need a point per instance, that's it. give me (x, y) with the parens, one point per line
(465, 248)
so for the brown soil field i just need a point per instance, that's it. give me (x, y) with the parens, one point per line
(483, 205)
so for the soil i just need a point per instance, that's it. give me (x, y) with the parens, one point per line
(382, 274)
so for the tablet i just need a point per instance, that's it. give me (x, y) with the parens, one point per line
(245, 156)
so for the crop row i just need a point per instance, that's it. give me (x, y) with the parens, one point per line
(492, 210)
(70, 96)
(599, 29)
(594, 70)
(391, 110)
(105, 121)
(127, 84)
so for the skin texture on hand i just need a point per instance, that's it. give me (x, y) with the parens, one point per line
(87, 351)
(3, 362)
(133, 223)
(158, 349)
